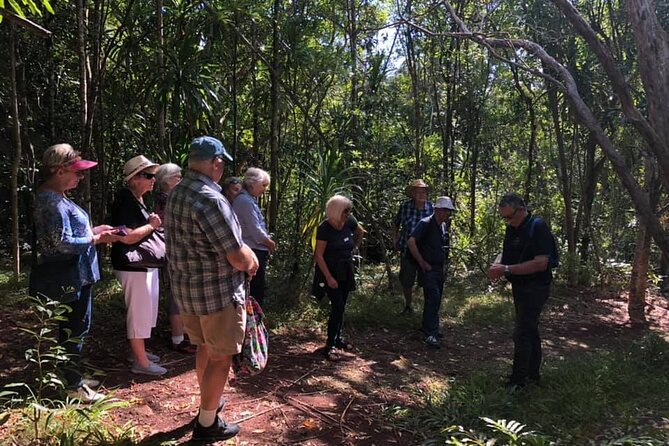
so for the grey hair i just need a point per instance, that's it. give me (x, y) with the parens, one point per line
(512, 199)
(255, 175)
(336, 205)
(165, 172)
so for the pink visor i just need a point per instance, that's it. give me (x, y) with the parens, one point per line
(82, 165)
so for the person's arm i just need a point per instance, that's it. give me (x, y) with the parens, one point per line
(413, 249)
(137, 234)
(243, 259)
(358, 234)
(322, 265)
(248, 214)
(396, 230)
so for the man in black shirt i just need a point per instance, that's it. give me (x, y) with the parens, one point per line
(428, 244)
(525, 262)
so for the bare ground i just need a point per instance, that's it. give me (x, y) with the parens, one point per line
(301, 399)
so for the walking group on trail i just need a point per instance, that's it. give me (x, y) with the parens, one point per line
(210, 244)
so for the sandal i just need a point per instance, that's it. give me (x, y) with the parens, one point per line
(330, 354)
(344, 345)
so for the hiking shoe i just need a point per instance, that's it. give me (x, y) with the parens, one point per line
(433, 342)
(218, 431)
(184, 347)
(152, 369)
(407, 310)
(150, 356)
(221, 405)
(344, 345)
(85, 394)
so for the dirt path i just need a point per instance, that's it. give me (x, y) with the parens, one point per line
(302, 399)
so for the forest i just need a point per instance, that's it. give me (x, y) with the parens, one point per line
(564, 102)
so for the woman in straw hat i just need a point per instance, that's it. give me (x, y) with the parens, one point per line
(140, 285)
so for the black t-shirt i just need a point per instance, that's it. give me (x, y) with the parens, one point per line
(431, 240)
(518, 248)
(125, 211)
(340, 243)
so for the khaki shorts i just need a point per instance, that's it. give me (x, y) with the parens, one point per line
(408, 271)
(222, 332)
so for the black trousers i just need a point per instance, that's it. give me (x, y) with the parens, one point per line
(257, 285)
(529, 300)
(338, 297)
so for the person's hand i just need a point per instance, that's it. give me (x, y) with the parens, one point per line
(496, 271)
(271, 244)
(109, 236)
(102, 228)
(253, 269)
(155, 221)
(332, 283)
(425, 266)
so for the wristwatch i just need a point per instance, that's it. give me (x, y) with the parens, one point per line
(507, 270)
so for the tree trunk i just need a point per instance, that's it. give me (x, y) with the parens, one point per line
(276, 110)
(565, 184)
(417, 121)
(160, 60)
(567, 83)
(636, 300)
(16, 163)
(84, 97)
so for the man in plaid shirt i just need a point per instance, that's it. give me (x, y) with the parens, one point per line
(409, 214)
(208, 264)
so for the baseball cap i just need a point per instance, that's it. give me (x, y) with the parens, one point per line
(207, 147)
(136, 165)
(444, 203)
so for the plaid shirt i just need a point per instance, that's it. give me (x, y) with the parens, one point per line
(407, 218)
(200, 229)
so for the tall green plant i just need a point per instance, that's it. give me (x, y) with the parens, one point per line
(325, 178)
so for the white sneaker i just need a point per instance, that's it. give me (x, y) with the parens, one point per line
(85, 394)
(90, 382)
(150, 356)
(152, 369)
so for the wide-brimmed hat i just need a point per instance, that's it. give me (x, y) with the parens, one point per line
(444, 203)
(415, 184)
(136, 165)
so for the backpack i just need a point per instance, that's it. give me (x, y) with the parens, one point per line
(554, 256)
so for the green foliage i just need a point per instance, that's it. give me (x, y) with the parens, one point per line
(612, 398)
(45, 418)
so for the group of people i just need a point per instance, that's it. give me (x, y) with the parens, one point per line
(217, 246)
(420, 234)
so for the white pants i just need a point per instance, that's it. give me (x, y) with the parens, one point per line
(141, 291)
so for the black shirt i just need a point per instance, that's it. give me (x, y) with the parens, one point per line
(431, 240)
(125, 211)
(518, 248)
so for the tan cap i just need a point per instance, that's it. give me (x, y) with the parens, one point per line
(136, 165)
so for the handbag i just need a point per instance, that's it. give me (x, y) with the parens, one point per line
(57, 279)
(253, 357)
(148, 252)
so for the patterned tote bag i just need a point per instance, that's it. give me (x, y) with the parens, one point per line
(253, 357)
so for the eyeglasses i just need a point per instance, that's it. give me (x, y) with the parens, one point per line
(510, 216)
(147, 175)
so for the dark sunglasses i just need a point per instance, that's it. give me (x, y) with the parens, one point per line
(148, 176)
